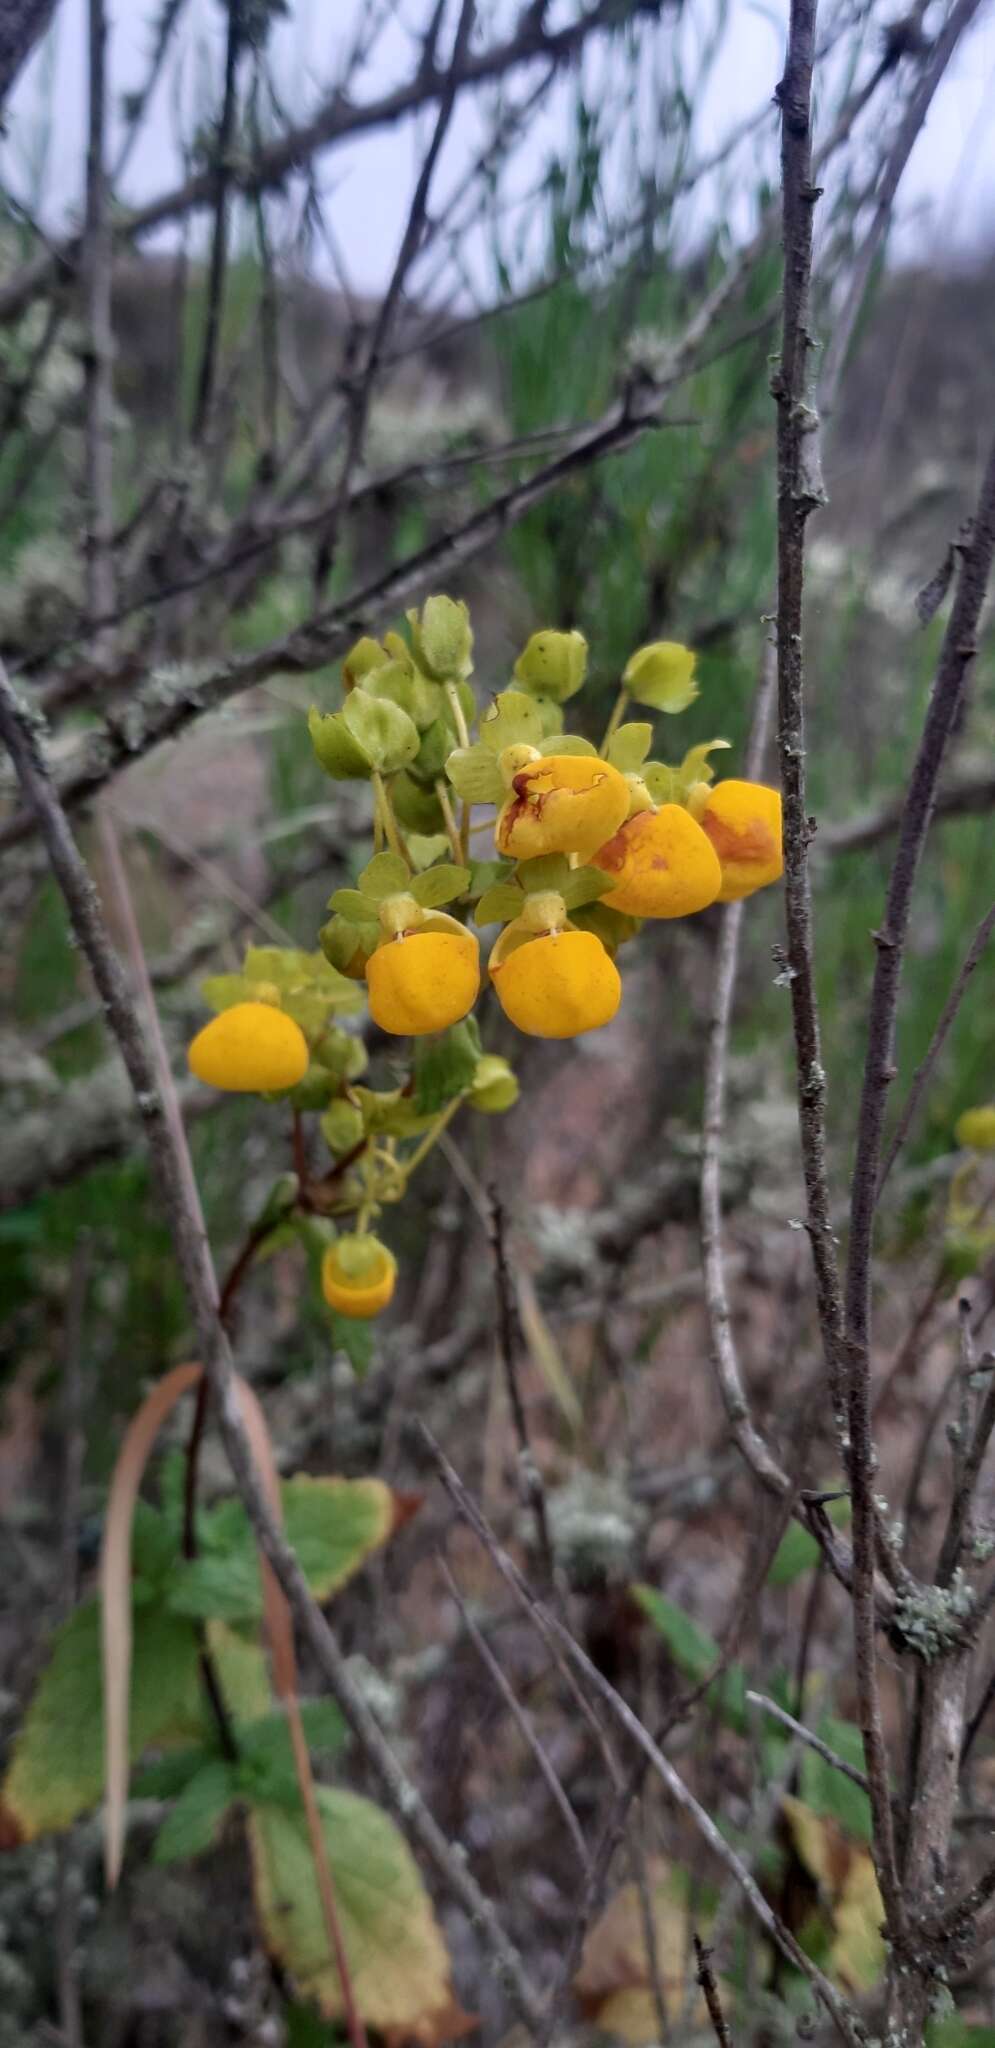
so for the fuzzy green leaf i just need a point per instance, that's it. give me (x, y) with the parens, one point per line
(445, 1066)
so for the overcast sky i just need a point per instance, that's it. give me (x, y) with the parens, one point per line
(948, 196)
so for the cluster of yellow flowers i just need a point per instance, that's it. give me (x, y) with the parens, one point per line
(588, 843)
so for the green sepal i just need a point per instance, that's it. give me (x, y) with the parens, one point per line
(363, 658)
(553, 664)
(383, 876)
(439, 885)
(696, 766)
(475, 775)
(484, 874)
(314, 1091)
(511, 720)
(585, 885)
(223, 991)
(343, 1054)
(436, 744)
(356, 1339)
(409, 690)
(612, 927)
(339, 754)
(342, 1128)
(547, 871)
(390, 1114)
(629, 746)
(352, 904)
(566, 743)
(442, 638)
(499, 904)
(445, 1066)
(661, 675)
(386, 734)
(416, 808)
(426, 849)
(663, 783)
(341, 939)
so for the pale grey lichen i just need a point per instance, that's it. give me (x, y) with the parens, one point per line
(594, 1528)
(932, 1618)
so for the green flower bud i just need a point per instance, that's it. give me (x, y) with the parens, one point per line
(361, 659)
(442, 639)
(553, 665)
(494, 1087)
(662, 675)
(342, 1128)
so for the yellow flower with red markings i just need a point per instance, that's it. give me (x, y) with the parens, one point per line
(250, 1049)
(664, 864)
(358, 1276)
(743, 822)
(561, 803)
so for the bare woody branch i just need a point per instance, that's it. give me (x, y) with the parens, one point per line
(338, 121)
(22, 25)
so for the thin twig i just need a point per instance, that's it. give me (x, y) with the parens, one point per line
(829, 1756)
(218, 266)
(528, 1471)
(521, 1720)
(710, 1990)
(923, 1073)
(99, 357)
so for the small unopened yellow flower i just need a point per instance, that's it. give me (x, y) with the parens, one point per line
(557, 985)
(743, 822)
(251, 1048)
(423, 980)
(358, 1276)
(665, 864)
(975, 1130)
(562, 803)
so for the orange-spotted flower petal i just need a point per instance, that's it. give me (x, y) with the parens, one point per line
(743, 822)
(558, 985)
(562, 803)
(665, 865)
(251, 1049)
(423, 981)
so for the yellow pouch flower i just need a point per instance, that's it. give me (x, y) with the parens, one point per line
(251, 1049)
(422, 981)
(557, 985)
(975, 1128)
(562, 803)
(666, 867)
(358, 1276)
(743, 822)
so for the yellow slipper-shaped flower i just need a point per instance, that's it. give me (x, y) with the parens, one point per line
(743, 822)
(251, 1049)
(422, 981)
(556, 986)
(562, 803)
(358, 1276)
(666, 867)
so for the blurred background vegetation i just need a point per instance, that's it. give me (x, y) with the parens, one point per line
(232, 833)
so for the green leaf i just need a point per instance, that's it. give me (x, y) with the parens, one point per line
(474, 774)
(387, 736)
(440, 885)
(266, 1768)
(548, 871)
(442, 638)
(445, 1066)
(826, 1790)
(629, 746)
(499, 905)
(223, 1586)
(511, 720)
(385, 875)
(333, 1524)
(194, 1823)
(57, 1767)
(396, 1955)
(484, 874)
(167, 1776)
(796, 1553)
(356, 1339)
(338, 752)
(584, 885)
(696, 1653)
